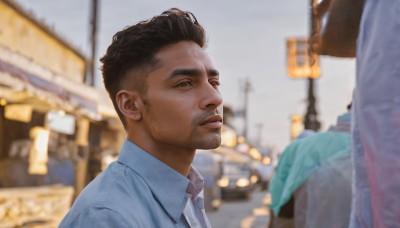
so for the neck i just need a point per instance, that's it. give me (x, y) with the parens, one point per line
(179, 159)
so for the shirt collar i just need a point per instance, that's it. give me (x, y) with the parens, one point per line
(195, 186)
(169, 187)
(196, 183)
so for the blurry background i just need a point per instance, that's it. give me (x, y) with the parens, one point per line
(58, 129)
(245, 40)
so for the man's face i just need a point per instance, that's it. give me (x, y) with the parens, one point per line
(182, 99)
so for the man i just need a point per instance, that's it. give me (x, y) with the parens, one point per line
(324, 199)
(309, 162)
(164, 88)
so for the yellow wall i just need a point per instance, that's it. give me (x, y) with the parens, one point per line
(23, 37)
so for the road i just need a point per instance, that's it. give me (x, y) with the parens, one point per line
(250, 213)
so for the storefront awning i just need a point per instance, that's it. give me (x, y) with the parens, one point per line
(57, 92)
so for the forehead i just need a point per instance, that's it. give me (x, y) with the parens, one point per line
(184, 54)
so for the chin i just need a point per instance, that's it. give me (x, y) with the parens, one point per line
(210, 143)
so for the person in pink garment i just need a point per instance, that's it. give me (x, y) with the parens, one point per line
(376, 113)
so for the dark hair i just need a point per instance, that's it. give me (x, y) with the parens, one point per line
(349, 106)
(131, 53)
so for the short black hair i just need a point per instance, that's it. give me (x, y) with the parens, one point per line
(131, 53)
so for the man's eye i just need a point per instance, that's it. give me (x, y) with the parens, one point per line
(185, 84)
(216, 84)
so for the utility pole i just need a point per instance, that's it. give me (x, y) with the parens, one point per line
(93, 42)
(83, 149)
(246, 89)
(259, 127)
(310, 119)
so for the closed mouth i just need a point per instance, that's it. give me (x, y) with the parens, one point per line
(213, 118)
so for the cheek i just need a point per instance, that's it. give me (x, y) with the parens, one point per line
(171, 126)
(174, 112)
(174, 104)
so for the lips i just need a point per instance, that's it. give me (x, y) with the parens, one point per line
(213, 121)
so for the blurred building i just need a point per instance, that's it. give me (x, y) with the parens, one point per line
(51, 123)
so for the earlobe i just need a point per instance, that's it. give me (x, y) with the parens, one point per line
(127, 102)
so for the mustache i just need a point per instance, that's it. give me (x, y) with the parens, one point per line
(200, 118)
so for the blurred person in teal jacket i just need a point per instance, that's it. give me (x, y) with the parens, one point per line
(299, 171)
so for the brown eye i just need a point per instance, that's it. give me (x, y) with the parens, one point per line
(185, 84)
(215, 84)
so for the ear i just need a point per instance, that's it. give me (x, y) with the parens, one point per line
(129, 104)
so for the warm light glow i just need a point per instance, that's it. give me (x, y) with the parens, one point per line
(228, 137)
(38, 152)
(242, 182)
(253, 179)
(18, 112)
(296, 126)
(61, 112)
(216, 203)
(254, 153)
(3, 102)
(223, 182)
(240, 139)
(107, 160)
(301, 63)
(266, 160)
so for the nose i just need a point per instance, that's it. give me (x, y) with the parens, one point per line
(211, 97)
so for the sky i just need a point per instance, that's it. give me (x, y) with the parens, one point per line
(246, 40)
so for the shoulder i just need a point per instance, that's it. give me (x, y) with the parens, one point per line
(118, 193)
(116, 186)
(95, 217)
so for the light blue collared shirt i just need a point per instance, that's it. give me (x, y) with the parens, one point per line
(140, 191)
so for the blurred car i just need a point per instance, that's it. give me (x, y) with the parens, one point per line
(236, 179)
(209, 165)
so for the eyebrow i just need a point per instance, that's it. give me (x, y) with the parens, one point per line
(193, 72)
